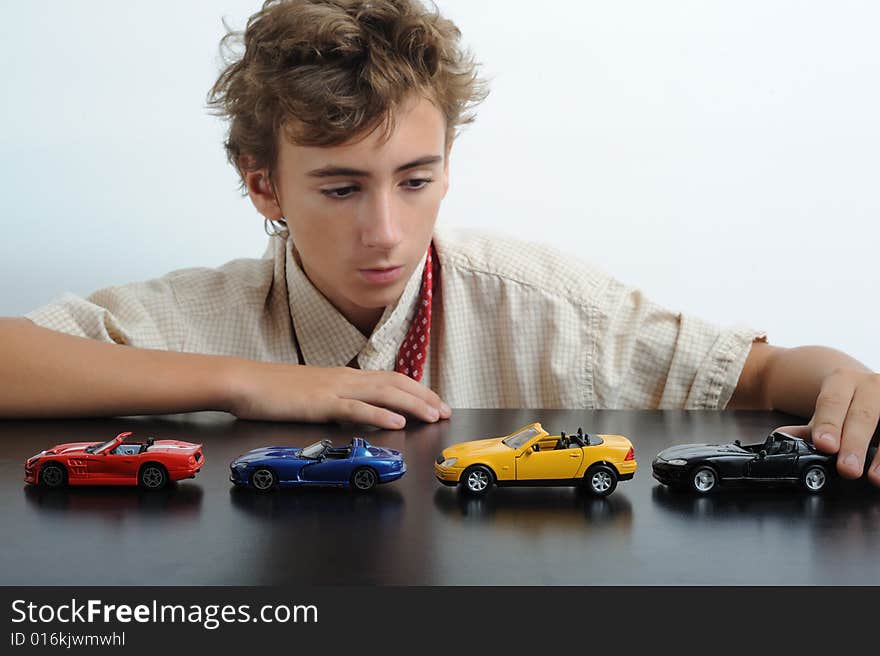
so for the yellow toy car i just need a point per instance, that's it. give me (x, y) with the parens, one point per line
(531, 456)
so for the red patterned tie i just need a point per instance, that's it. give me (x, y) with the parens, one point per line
(414, 351)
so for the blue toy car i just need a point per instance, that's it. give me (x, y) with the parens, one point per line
(359, 465)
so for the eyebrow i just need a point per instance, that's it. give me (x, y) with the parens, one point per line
(331, 170)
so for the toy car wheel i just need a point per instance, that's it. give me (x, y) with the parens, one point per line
(703, 480)
(152, 476)
(263, 480)
(364, 479)
(815, 478)
(53, 475)
(601, 480)
(477, 480)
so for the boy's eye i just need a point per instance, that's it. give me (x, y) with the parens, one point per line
(417, 183)
(339, 193)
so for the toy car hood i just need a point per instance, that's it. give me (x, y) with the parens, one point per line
(688, 451)
(491, 445)
(269, 452)
(67, 449)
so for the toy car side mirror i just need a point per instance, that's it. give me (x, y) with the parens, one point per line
(536, 447)
(737, 442)
(762, 454)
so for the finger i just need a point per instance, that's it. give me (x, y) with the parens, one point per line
(397, 399)
(858, 429)
(415, 388)
(832, 405)
(874, 470)
(359, 412)
(322, 408)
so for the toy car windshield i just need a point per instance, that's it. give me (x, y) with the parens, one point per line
(95, 448)
(516, 440)
(316, 450)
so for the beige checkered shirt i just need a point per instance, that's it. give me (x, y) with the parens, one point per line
(511, 327)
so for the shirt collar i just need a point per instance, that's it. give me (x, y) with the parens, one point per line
(327, 339)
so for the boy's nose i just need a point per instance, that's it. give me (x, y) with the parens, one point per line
(379, 227)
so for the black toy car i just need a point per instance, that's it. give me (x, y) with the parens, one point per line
(780, 459)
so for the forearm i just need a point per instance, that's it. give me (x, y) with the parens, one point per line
(792, 378)
(49, 374)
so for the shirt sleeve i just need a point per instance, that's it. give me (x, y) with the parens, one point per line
(651, 357)
(142, 314)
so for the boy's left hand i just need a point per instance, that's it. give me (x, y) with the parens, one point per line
(844, 421)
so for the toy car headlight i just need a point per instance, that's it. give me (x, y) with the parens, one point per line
(677, 461)
(449, 462)
(239, 465)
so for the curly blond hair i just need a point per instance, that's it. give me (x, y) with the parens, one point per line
(323, 72)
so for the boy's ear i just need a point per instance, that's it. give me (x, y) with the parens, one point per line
(259, 187)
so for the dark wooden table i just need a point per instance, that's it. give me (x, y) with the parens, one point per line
(415, 531)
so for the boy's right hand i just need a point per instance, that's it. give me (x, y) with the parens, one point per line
(287, 392)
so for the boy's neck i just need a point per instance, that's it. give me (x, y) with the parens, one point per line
(364, 320)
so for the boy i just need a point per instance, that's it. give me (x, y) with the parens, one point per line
(342, 117)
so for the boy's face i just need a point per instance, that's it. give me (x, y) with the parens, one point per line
(361, 214)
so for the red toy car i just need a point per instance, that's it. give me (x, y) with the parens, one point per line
(150, 463)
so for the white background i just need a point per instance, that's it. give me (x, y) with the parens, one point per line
(723, 156)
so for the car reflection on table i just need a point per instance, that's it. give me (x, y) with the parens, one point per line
(557, 509)
(174, 501)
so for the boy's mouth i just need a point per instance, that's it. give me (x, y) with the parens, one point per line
(382, 275)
